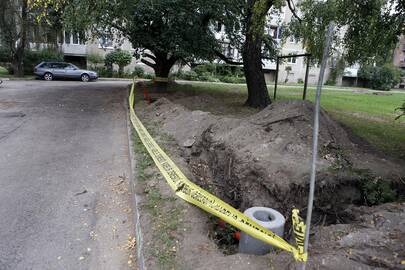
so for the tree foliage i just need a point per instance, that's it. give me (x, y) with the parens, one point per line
(120, 57)
(172, 30)
(380, 77)
(366, 31)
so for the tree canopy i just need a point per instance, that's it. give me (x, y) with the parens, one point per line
(167, 31)
(366, 31)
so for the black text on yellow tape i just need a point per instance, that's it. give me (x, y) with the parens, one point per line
(192, 193)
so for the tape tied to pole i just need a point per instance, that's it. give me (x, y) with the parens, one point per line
(201, 198)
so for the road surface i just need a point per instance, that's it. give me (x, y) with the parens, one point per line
(65, 201)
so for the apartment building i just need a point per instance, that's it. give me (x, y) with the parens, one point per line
(399, 58)
(291, 69)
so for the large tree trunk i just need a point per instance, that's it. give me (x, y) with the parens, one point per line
(163, 65)
(18, 61)
(258, 95)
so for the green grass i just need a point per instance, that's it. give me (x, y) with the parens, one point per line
(369, 116)
(3, 71)
(165, 214)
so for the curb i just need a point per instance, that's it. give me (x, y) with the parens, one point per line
(114, 79)
(138, 232)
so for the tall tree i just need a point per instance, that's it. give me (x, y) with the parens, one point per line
(163, 31)
(366, 30)
(14, 24)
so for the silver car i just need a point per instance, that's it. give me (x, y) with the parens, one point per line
(61, 70)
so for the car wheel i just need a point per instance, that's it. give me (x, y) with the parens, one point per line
(85, 78)
(48, 76)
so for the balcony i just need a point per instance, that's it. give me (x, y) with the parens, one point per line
(74, 49)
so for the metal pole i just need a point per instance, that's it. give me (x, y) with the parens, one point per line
(304, 95)
(276, 79)
(328, 40)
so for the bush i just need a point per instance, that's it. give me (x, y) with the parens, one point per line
(104, 72)
(120, 57)
(187, 75)
(381, 78)
(138, 72)
(5, 55)
(149, 76)
(95, 59)
(33, 58)
(232, 79)
(376, 191)
(300, 81)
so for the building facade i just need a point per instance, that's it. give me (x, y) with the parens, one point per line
(399, 58)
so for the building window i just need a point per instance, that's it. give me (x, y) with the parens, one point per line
(219, 27)
(106, 42)
(275, 32)
(292, 60)
(75, 39)
(67, 37)
(292, 39)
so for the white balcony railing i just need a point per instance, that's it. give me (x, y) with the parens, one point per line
(74, 49)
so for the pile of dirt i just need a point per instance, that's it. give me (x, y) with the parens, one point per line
(264, 160)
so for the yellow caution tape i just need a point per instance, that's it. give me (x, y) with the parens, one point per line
(192, 193)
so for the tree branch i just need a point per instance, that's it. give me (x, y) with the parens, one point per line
(151, 56)
(293, 11)
(227, 59)
(146, 62)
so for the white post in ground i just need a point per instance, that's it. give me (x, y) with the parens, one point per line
(328, 40)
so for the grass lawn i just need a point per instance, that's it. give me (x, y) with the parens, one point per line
(3, 71)
(370, 116)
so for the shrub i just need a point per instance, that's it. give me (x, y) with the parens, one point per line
(5, 55)
(381, 78)
(33, 58)
(187, 75)
(149, 76)
(300, 81)
(377, 191)
(120, 57)
(138, 72)
(95, 59)
(104, 72)
(207, 77)
(232, 79)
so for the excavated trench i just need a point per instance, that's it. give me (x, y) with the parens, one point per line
(263, 160)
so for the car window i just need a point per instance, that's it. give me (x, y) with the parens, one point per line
(44, 65)
(58, 65)
(70, 66)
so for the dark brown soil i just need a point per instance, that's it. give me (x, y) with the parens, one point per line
(263, 159)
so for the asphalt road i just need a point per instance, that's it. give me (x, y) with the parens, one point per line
(65, 201)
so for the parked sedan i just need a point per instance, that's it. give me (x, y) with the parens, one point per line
(61, 70)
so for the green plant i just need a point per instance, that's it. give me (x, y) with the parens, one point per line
(33, 58)
(377, 191)
(138, 72)
(300, 81)
(5, 55)
(120, 57)
(149, 76)
(232, 79)
(402, 110)
(336, 71)
(380, 77)
(95, 59)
